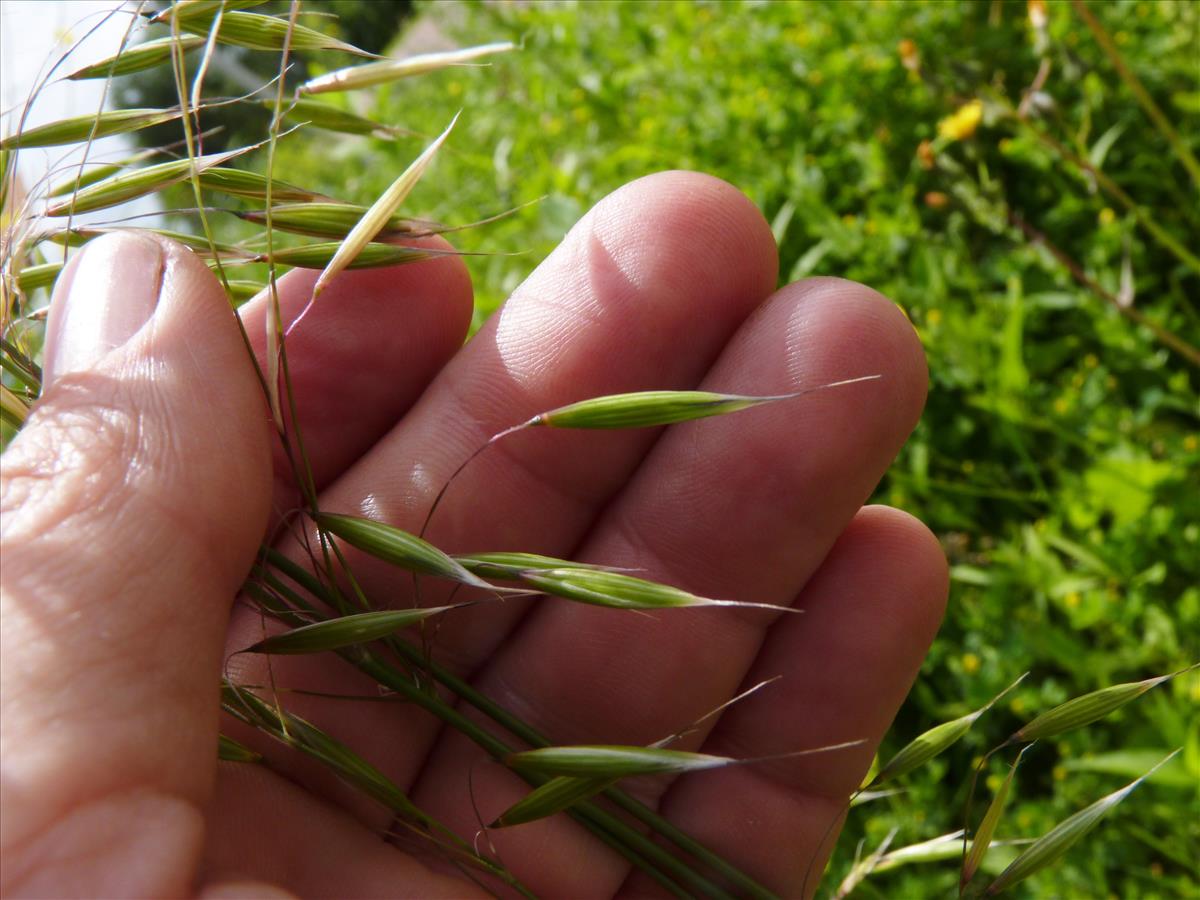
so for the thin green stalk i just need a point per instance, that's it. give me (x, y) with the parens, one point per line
(414, 656)
(1161, 122)
(646, 854)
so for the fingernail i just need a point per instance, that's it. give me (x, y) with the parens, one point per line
(104, 297)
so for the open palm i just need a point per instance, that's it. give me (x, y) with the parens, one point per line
(136, 496)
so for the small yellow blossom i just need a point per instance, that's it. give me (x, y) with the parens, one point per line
(1017, 706)
(1059, 773)
(994, 782)
(1072, 599)
(962, 123)
(1061, 405)
(970, 663)
(1107, 216)
(1191, 442)
(934, 316)
(454, 89)
(909, 56)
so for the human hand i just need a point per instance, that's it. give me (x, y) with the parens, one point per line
(137, 494)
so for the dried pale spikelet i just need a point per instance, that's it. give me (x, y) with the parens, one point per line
(381, 211)
(388, 70)
(398, 547)
(1053, 844)
(344, 631)
(137, 57)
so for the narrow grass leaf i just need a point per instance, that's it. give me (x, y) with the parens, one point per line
(620, 591)
(381, 211)
(258, 32)
(388, 70)
(1084, 710)
(1055, 843)
(554, 796)
(331, 118)
(31, 278)
(81, 128)
(232, 751)
(612, 761)
(325, 219)
(253, 186)
(318, 256)
(397, 547)
(987, 827)
(934, 741)
(644, 409)
(138, 183)
(137, 58)
(344, 631)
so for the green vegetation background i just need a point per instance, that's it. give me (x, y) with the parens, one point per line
(1059, 457)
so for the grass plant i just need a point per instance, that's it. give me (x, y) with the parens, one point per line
(321, 608)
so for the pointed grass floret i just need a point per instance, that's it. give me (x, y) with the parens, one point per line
(137, 57)
(253, 186)
(138, 183)
(644, 409)
(330, 118)
(616, 761)
(344, 631)
(388, 70)
(233, 751)
(935, 741)
(325, 219)
(1055, 843)
(82, 128)
(317, 256)
(510, 565)
(619, 591)
(31, 278)
(556, 795)
(258, 32)
(1080, 711)
(987, 827)
(397, 547)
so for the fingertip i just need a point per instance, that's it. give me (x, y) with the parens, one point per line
(705, 229)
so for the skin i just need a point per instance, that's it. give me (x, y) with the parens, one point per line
(142, 484)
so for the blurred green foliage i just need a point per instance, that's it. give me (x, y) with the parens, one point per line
(1059, 456)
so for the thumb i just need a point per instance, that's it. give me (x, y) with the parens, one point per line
(133, 501)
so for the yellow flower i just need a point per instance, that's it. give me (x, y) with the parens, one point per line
(1107, 216)
(963, 122)
(909, 56)
(1059, 773)
(1191, 442)
(970, 663)
(1071, 599)
(934, 316)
